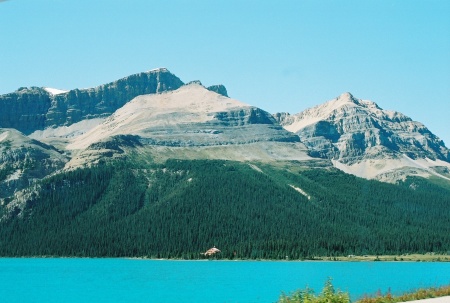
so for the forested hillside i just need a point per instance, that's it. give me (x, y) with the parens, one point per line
(182, 208)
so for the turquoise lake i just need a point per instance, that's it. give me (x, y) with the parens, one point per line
(134, 280)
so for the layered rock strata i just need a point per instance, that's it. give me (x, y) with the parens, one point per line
(358, 133)
(31, 109)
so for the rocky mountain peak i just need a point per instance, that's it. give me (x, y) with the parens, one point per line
(362, 138)
(31, 109)
(347, 97)
(188, 116)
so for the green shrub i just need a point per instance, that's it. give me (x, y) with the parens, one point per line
(328, 295)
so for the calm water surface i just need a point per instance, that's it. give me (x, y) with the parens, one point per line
(123, 280)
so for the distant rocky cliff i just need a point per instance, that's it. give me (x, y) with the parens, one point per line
(25, 109)
(30, 109)
(348, 129)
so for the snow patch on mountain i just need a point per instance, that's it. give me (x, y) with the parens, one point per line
(253, 166)
(158, 69)
(298, 189)
(55, 91)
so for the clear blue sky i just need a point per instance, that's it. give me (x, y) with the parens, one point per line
(277, 55)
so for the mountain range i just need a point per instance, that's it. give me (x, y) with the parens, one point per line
(189, 120)
(153, 117)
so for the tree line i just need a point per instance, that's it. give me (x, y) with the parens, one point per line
(183, 207)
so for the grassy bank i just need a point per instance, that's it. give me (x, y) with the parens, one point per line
(330, 295)
(428, 257)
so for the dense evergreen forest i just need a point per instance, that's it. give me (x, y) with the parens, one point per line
(182, 208)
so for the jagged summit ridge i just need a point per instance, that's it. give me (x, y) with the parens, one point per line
(345, 101)
(352, 131)
(38, 108)
(189, 116)
(158, 109)
(31, 109)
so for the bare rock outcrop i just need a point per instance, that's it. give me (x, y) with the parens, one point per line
(31, 109)
(350, 131)
(24, 160)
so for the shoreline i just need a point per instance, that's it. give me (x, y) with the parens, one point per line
(428, 257)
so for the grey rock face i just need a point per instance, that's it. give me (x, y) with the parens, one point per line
(283, 118)
(33, 109)
(24, 160)
(244, 116)
(25, 109)
(215, 134)
(349, 130)
(189, 120)
(220, 89)
(182, 127)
